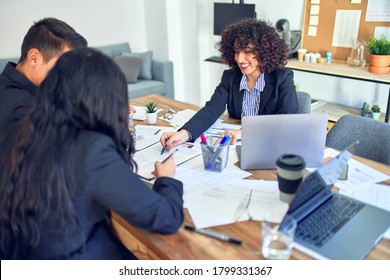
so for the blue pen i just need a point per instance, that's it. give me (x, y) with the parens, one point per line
(225, 140)
(165, 146)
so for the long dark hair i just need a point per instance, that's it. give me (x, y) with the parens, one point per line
(271, 50)
(85, 90)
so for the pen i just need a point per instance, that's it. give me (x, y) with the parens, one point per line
(165, 146)
(144, 178)
(225, 141)
(216, 235)
(203, 138)
(169, 156)
(158, 130)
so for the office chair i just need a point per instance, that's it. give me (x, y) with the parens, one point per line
(304, 102)
(374, 137)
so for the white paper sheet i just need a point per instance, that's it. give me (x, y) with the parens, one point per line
(148, 135)
(146, 158)
(358, 173)
(180, 118)
(196, 178)
(378, 10)
(344, 37)
(374, 194)
(219, 205)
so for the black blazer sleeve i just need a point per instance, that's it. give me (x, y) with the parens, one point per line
(113, 185)
(214, 108)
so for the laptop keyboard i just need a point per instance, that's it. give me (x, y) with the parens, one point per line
(318, 227)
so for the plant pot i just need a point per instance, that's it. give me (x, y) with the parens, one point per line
(376, 115)
(151, 118)
(365, 114)
(379, 64)
(379, 60)
(378, 70)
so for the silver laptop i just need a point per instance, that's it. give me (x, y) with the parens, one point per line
(265, 138)
(333, 225)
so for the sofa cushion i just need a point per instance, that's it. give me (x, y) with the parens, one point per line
(145, 87)
(130, 66)
(115, 49)
(146, 69)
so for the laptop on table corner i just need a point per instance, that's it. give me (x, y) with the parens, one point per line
(331, 224)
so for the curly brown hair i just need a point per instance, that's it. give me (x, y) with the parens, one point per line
(269, 48)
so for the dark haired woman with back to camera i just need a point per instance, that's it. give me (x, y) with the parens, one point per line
(70, 160)
(256, 83)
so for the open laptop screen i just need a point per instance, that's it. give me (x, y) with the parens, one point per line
(266, 137)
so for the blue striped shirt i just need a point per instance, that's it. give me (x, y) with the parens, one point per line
(251, 101)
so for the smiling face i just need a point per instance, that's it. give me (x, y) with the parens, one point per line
(247, 62)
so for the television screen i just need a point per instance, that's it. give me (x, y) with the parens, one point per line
(226, 13)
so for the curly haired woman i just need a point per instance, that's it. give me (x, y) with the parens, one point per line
(255, 84)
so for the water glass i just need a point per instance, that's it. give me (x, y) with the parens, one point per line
(277, 236)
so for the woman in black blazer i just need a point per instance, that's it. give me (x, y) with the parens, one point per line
(255, 84)
(70, 160)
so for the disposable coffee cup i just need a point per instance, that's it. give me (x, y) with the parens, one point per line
(289, 168)
(301, 54)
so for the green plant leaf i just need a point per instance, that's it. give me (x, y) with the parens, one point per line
(379, 46)
(151, 107)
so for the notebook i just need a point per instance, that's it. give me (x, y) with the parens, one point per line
(333, 225)
(264, 138)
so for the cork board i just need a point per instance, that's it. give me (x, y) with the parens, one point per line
(322, 42)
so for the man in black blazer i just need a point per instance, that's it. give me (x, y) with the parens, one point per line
(43, 44)
(256, 83)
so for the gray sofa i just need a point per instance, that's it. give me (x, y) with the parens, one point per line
(160, 79)
(4, 61)
(156, 76)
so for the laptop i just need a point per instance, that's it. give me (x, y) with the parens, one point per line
(264, 138)
(331, 224)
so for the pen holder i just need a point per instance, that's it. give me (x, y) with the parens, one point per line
(215, 156)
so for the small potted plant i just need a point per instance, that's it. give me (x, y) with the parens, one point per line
(379, 49)
(365, 111)
(151, 112)
(376, 112)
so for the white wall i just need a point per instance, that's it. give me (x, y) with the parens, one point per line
(99, 21)
(339, 90)
(178, 30)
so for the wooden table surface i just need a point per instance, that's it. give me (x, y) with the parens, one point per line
(187, 245)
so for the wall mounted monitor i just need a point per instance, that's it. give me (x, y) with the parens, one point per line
(226, 13)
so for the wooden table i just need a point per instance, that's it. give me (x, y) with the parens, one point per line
(187, 245)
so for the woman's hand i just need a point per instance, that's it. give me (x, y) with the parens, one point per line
(234, 133)
(166, 169)
(172, 139)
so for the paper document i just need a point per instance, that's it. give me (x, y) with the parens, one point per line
(196, 178)
(149, 134)
(146, 158)
(358, 173)
(234, 201)
(180, 118)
